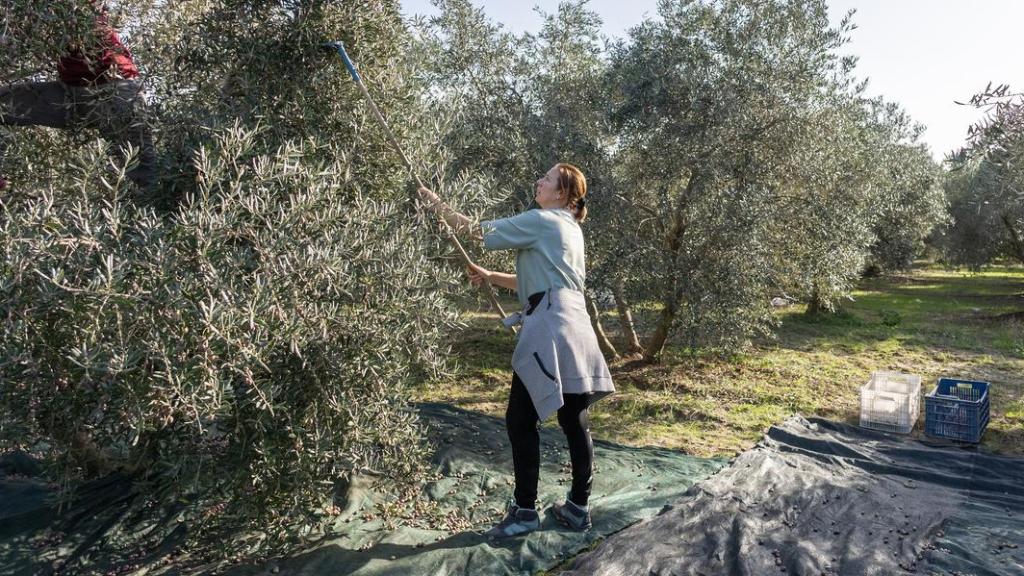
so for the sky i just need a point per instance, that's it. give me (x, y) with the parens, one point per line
(922, 54)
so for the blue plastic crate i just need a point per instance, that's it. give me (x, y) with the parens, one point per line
(957, 410)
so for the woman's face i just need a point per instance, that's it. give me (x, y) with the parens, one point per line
(546, 188)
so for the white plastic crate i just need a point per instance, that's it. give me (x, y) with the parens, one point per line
(891, 402)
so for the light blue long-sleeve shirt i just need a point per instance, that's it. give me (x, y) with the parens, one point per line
(549, 249)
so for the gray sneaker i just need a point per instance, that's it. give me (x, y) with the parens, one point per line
(572, 516)
(517, 522)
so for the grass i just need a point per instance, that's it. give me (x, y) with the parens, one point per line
(931, 322)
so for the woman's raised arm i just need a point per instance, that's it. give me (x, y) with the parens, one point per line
(459, 223)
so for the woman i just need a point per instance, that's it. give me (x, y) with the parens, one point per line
(557, 365)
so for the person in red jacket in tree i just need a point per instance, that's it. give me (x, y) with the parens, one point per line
(98, 88)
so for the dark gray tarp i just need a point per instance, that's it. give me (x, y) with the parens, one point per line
(818, 497)
(475, 475)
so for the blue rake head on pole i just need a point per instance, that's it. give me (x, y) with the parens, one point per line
(339, 47)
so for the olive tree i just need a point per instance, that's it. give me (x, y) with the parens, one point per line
(909, 202)
(474, 73)
(866, 194)
(712, 105)
(515, 105)
(985, 184)
(246, 336)
(823, 225)
(913, 207)
(730, 154)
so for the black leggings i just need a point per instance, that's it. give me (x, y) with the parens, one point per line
(521, 420)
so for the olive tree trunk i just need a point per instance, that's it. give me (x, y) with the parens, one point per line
(1016, 241)
(607, 348)
(656, 344)
(626, 320)
(670, 298)
(816, 305)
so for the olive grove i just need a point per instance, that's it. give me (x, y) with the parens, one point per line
(244, 334)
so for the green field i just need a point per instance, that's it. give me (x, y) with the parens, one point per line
(932, 322)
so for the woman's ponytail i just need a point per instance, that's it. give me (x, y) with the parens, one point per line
(573, 184)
